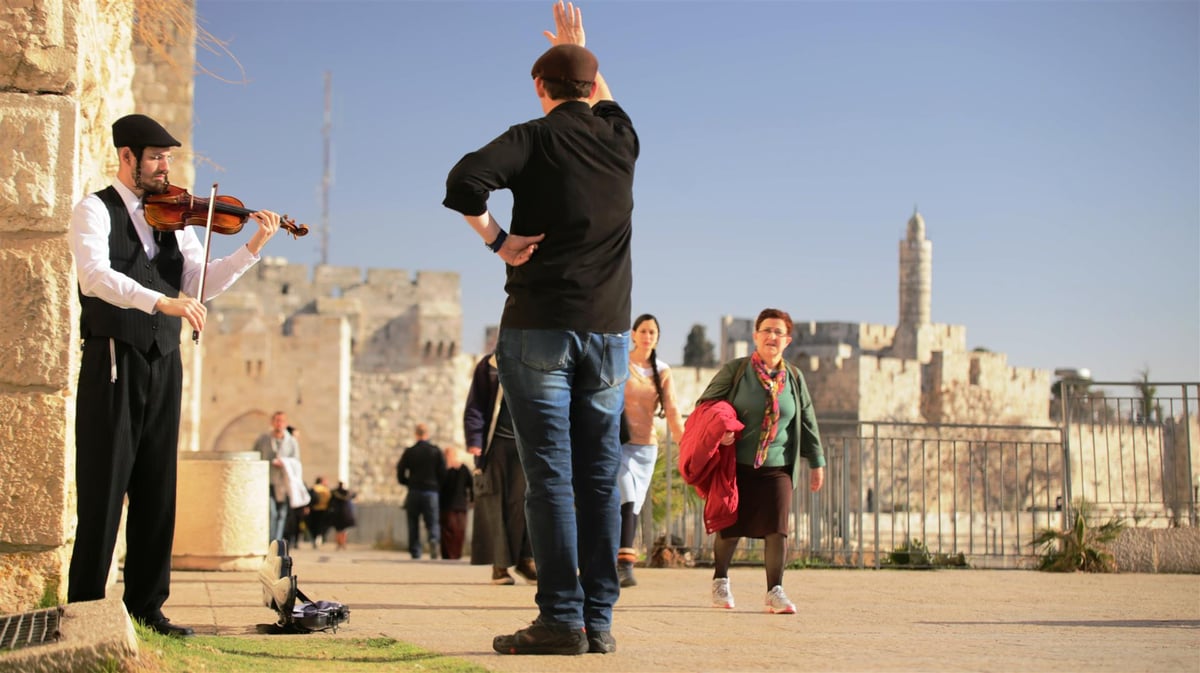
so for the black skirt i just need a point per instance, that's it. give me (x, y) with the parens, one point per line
(764, 502)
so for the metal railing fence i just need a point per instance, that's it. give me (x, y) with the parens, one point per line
(976, 492)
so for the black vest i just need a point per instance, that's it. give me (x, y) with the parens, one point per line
(99, 318)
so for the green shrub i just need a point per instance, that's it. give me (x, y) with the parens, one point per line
(1081, 545)
(912, 554)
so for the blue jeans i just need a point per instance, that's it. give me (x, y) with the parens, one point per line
(277, 518)
(423, 505)
(565, 391)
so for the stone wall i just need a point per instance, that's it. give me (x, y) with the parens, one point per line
(386, 407)
(835, 385)
(252, 370)
(397, 319)
(980, 387)
(889, 389)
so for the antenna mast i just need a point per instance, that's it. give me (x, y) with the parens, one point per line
(326, 179)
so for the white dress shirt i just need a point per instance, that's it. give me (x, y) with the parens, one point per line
(90, 227)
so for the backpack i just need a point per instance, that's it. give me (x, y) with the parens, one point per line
(297, 613)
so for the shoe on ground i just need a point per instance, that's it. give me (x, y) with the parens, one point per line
(539, 638)
(722, 596)
(625, 575)
(165, 627)
(778, 603)
(601, 642)
(501, 577)
(527, 570)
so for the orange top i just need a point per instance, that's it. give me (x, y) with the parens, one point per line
(641, 401)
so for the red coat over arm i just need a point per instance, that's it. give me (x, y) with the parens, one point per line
(707, 465)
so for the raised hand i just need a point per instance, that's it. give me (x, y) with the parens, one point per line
(568, 22)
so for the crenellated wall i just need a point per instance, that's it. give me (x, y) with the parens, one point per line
(355, 359)
(980, 387)
(397, 320)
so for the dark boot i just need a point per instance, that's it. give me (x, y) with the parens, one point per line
(625, 574)
(626, 557)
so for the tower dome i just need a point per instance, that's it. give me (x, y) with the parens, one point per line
(916, 226)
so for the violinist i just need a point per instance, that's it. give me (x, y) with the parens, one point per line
(136, 285)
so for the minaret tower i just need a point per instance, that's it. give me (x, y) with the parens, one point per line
(916, 290)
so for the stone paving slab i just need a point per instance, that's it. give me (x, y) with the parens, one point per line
(849, 620)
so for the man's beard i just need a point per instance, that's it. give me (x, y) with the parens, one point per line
(153, 187)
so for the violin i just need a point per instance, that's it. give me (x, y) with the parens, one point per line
(176, 209)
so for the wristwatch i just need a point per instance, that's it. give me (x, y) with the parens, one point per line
(494, 246)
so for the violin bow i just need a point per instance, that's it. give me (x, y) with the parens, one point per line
(212, 203)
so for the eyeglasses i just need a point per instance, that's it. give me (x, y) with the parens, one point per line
(161, 157)
(773, 332)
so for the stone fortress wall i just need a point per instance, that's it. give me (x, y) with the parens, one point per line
(356, 359)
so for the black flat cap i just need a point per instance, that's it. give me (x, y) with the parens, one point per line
(141, 131)
(566, 62)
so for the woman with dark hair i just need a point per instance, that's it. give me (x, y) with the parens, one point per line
(649, 394)
(772, 401)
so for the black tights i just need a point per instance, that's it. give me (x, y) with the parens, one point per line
(774, 552)
(628, 524)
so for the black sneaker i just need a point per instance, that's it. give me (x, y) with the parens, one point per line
(538, 638)
(165, 627)
(601, 642)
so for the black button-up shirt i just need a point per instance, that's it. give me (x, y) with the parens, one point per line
(571, 177)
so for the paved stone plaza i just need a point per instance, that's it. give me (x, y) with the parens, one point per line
(849, 620)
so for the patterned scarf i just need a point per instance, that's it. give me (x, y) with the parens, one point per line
(770, 425)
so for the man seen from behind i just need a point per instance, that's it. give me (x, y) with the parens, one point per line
(562, 350)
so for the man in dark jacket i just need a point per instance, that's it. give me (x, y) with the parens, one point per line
(422, 468)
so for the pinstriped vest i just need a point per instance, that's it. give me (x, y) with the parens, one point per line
(99, 318)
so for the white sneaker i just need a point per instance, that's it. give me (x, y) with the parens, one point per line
(777, 601)
(722, 597)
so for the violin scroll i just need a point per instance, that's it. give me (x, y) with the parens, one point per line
(289, 225)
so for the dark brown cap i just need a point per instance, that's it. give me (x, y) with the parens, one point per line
(566, 62)
(141, 131)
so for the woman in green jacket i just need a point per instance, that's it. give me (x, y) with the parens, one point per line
(772, 400)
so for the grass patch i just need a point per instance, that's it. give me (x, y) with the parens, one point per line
(286, 654)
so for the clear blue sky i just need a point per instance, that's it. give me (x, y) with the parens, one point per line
(1052, 147)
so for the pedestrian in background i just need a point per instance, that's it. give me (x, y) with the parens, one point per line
(342, 511)
(501, 537)
(772, 402)
(649, 394)
(456, 497)
(277, 446)
(422, 468)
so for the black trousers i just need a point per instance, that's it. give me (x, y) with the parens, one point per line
(505, 510)
(126, 443)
